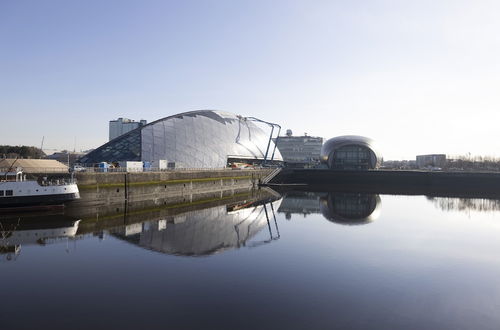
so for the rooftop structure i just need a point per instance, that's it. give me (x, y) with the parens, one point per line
(34, 165)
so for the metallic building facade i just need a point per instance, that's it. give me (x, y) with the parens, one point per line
(350, 152)
(196, 139)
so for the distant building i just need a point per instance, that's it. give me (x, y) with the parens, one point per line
(123, 125)
(350, 152)
(434, 160)
(299, 151)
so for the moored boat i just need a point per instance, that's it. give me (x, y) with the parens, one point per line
(17, 191)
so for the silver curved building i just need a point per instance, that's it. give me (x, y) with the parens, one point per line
(196, 139)
(350, 152)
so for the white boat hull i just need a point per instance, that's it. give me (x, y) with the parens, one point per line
(30, 193)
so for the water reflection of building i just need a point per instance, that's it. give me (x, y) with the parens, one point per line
(206, 231)
(40, 230)
(342, 208)
(350, 208)
(298, 202)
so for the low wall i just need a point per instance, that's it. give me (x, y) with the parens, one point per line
(106, 188)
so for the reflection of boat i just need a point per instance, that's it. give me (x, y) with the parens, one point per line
(15, 232)
(16, 191)
(207, 231)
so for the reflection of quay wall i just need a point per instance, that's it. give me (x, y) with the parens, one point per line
(105, 188)
(96, 218)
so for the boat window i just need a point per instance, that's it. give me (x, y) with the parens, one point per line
(9, 192)
(1, 192)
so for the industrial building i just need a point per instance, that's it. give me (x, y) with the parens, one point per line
(350, 152)
(123, 125)
(299, 151)
(196, 139)
(433, 161)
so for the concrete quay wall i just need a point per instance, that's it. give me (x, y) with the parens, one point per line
(105, 188)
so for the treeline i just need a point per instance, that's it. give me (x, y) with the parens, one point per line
(21, 152)
(473, 163)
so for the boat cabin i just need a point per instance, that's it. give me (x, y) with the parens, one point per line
(12, 176)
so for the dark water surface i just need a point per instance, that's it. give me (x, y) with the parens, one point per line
(308, 261)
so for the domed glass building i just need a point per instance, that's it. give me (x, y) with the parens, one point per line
(196, 139)
(350, 152)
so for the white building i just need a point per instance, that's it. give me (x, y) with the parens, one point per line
(299, 150)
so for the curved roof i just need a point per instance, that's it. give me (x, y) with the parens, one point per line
(201, 138)
(340, 141)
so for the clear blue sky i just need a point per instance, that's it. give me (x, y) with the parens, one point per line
(416, 76)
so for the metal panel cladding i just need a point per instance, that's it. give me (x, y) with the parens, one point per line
(204, 139)
(337, 144)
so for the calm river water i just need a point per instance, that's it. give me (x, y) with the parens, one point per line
(306, 261)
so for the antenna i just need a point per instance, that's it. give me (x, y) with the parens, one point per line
(41, 146)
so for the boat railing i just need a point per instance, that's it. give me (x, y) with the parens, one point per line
(45, 182)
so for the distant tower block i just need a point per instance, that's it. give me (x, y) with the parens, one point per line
(123, 125)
